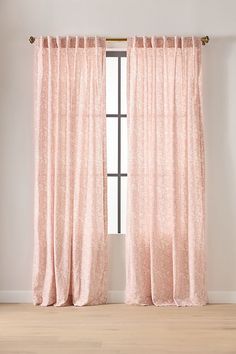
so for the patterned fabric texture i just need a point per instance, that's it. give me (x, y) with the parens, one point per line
(165, 248)
(70, 256)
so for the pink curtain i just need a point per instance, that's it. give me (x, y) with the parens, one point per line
(165, 237)
(70, 258)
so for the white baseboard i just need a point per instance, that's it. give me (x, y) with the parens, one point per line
(16, 296)
(222, 297)
(20, 296)
(114, 297)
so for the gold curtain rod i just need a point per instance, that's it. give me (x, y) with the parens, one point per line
(204, 40)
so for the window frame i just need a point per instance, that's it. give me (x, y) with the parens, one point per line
(118, 116)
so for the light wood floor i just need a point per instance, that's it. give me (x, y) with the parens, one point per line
(117, 329)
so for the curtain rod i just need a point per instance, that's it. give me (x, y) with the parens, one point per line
(204, 40)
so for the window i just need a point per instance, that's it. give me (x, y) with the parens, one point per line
(116, 117)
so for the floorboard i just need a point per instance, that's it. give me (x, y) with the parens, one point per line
(117, 329)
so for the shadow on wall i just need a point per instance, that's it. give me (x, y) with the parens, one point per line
(219, 101)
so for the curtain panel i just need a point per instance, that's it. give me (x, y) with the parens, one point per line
(165, 245)
(70, 228)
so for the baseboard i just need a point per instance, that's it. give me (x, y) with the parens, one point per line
(114, 297)
(222, 297)
(20, 296)
(16, 296)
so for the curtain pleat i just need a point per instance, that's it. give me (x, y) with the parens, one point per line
(70, 257)
(165, 223)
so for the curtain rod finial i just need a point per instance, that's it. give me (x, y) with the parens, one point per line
(205, 40)
(31, 39)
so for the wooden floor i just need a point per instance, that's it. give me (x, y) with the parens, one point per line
(117, 329)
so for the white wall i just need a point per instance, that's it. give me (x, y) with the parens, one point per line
(19, 20)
